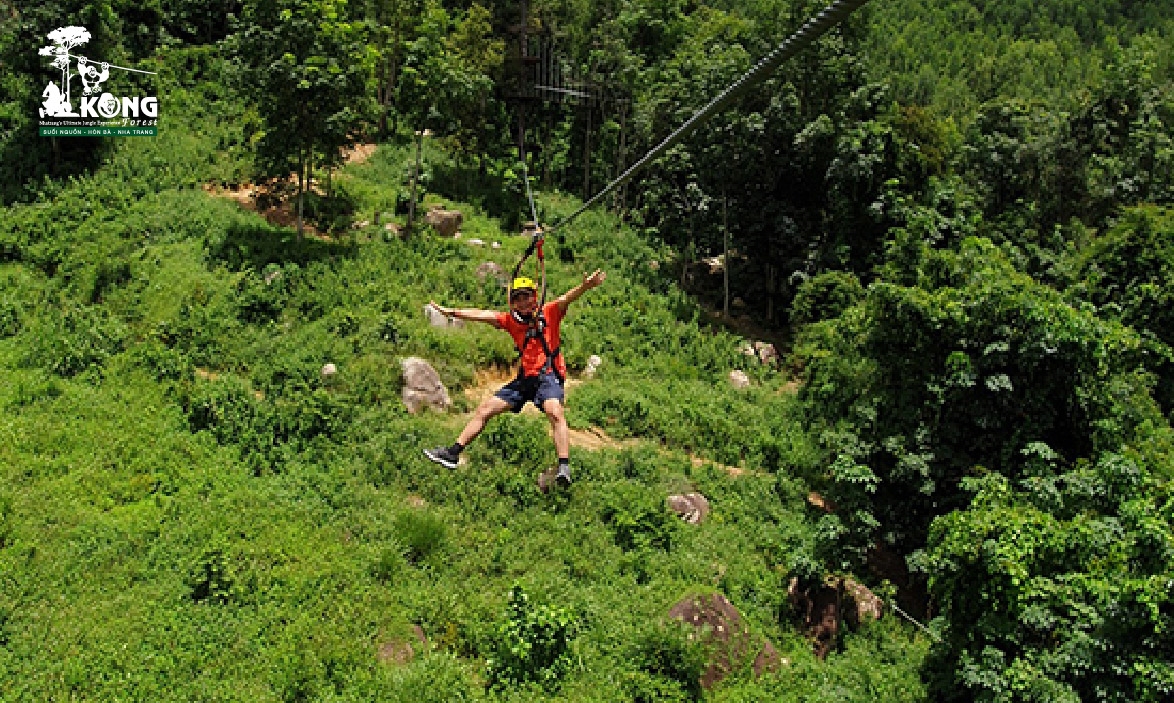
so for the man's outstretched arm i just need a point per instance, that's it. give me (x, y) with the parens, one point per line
(470, 314)
(592, 280)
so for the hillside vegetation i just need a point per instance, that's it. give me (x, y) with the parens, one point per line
(956, 220)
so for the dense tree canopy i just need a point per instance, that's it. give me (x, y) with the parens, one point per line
(957, 212)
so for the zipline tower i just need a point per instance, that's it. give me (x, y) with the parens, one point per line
(542, 79)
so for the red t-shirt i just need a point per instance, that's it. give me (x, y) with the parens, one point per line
(533, 356)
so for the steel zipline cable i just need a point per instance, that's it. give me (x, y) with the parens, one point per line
(121, 68)
(814, 28)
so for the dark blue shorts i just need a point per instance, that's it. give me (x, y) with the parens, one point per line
(538, 389)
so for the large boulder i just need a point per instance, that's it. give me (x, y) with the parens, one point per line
(422, 386)
(438, 319)
(690, 507)
(766, 352)
(446, 222)
(492, 268)
(731, 644)
(822, 609)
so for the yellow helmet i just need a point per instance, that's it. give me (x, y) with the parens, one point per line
(522, 283)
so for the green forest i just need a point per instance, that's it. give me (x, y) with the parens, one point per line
(902, 313)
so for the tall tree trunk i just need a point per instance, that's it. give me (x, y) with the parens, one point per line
(393, 79)
(770, 292)
(301, 188)
(726, 258)
(547, 135)
(383, 97)
(587, 157)
(415, 177)
(621, 161)
(482, 169)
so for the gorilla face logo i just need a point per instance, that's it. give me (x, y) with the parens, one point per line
(107, 105)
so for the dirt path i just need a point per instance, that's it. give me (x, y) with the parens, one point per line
(487, 381)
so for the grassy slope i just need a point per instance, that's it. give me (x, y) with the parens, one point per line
(158, 543)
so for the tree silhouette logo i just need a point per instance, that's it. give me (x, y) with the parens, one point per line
(58, 97)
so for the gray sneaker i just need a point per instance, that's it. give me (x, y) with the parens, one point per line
(563, 478)
(444, 456)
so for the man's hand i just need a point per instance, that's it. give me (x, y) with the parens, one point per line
(594, 280)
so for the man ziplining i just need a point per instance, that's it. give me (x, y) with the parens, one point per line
(542, 371)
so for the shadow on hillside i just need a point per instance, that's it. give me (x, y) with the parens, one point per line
(255, 246)
(28, 162)
(704, 301)
(488, 192)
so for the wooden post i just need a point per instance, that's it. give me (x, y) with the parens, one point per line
(726, 257)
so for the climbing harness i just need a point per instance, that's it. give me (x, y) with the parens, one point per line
(538, 331)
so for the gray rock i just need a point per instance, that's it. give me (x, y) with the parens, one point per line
(766, 352)
(593, 363)
(438, 319)
(423, 387)
(690, 507)
(446, 222)
(492, 268)
(739, 379)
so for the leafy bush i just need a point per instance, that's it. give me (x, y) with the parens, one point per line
(825, 296)
(6, 521)
(532, 643)
(76, 339)
(519, 440)
(673, 661)
(1064, 593)
(389, 564)
(262, 298)
(9, 318)
(165, 364)
(211, 578)
(422, 534)
(639, 518)
(202, 327)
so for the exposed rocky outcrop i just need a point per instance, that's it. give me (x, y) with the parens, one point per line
(731, 643)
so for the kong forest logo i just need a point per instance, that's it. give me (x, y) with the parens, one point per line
(99, 113)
